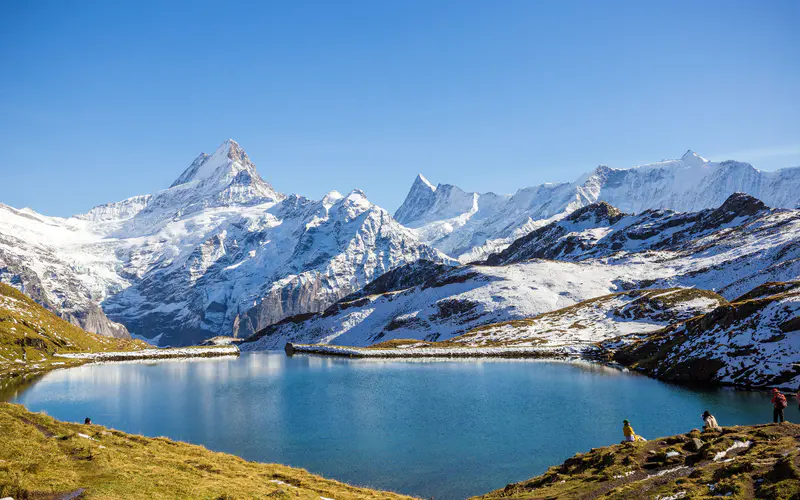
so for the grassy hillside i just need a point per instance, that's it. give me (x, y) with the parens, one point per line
(694, 465)
(30, 335)
(41, 457)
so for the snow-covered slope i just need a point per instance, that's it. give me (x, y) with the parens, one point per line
(730, 249)
(637, 312)
(447, 305)
(470, 226)
(754, 341)
(595, 251)
(219, 252)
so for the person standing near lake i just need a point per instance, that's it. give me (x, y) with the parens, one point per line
(778, 405)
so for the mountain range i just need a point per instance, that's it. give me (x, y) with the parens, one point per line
(595, 251)
(218, 251)
(470, 226)
(221, 252)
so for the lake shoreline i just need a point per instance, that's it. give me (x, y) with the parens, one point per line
(519, 352)
(332, 366)
(61, 361)
(166, 353)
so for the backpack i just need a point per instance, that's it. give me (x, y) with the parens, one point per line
(781, 403)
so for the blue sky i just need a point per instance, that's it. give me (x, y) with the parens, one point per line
(100, 101)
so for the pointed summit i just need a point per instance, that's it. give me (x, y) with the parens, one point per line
(225, 178)
(420, 198)
(229, 154)
(234, 151)
(423, 182)
(692, 158)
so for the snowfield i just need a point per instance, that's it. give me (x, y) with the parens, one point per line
(451, 305)
(626, 313)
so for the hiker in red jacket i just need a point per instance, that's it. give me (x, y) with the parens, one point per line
(778, 405)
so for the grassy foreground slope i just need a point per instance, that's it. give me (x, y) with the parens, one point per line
(42, 458)
(740, 462)
(30, 335)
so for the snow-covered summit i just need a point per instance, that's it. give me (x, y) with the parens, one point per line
(692, 158)
(229, 155)
(470, 226)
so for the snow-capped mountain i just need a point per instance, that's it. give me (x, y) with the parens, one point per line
(595, 251)
(218, 252)
(470, 226)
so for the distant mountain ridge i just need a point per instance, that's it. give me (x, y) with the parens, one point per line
(470, 226)
(221, 252)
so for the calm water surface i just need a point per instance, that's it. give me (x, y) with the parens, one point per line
(443, 429)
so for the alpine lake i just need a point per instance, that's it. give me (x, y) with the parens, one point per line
(446, 429)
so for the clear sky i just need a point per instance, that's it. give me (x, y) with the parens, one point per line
(104, 100)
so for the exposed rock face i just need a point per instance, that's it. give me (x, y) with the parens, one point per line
(219, 252)
(561, 239)
(406, 276)
(471, 226)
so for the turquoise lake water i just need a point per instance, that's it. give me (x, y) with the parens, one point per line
(442, 429)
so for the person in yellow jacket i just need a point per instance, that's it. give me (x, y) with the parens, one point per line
(630, 436)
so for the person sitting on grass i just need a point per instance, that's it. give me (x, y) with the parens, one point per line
(627, 431)
(710, 422)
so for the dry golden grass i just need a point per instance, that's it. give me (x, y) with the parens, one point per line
(42, 458)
